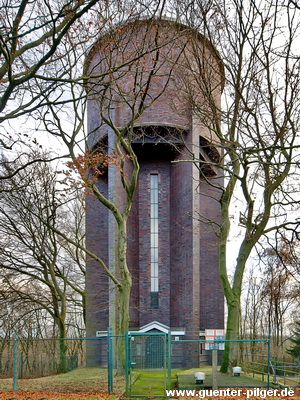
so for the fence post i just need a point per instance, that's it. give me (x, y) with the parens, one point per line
(214, 367)
(109, 360)
(169, 358)
(15, 361)
(269, 359)
(127, 368)
(21, 366)
(275, 370)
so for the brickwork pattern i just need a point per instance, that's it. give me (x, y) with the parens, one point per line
(190, 295)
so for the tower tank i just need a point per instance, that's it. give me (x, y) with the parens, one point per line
(163, 82)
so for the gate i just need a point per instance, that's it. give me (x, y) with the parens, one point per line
(155, 352)
(146, 364)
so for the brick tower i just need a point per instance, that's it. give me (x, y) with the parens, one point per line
(172, 252)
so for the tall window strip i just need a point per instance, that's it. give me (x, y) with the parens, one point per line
(154, 231)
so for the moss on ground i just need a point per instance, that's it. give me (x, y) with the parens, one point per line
(153, 383)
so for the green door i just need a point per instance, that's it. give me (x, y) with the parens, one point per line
(154, 352)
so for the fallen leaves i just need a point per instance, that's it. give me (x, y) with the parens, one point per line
(24, 395)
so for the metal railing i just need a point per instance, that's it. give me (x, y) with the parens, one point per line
(283, 373)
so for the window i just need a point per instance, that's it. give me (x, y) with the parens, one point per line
(154, 238)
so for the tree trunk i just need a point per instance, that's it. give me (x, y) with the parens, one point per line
(83, 297)
(62, 367)
(124, 296)
(230, 355)
(124, 299)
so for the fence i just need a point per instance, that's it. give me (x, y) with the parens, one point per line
(23, 358)
(147, 364)
(38, 357)
(282, 372)
(154, 362)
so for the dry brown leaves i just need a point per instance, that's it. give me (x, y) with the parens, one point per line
(21, 395)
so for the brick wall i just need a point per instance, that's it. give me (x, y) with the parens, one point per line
(190, 294)
(211, 293)
(96, 280)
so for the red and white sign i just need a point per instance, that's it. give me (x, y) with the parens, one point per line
(214, 334)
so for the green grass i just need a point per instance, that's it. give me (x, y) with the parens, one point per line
(207, 369)
(90, 380)
(83, 379)
(186, 379)
(152, 382)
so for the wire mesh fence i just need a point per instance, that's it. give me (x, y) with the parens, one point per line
(149, 355)
(25, 361)
(154, 362)
(40, 357)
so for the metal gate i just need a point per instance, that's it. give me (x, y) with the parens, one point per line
(146, 364)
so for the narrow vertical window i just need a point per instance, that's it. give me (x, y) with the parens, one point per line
(154, 238)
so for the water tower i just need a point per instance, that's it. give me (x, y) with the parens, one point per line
(172, 247)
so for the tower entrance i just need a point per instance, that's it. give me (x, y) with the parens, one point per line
(154, 349)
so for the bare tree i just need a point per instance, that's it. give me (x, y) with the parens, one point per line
(255, 129)
(51, 90)
(252, 312)
(270, 298)
(36, 264)
(43, 45)
(280, 289)
(146, 59)
(33, 42)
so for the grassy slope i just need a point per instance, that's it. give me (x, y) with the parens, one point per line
(74, 383)
(84, 379)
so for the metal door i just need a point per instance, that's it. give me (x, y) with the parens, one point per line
(155, 352)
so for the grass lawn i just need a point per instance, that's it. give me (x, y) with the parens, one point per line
(186, 380)
(152, 382)
(84, 379)
(90, 383)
